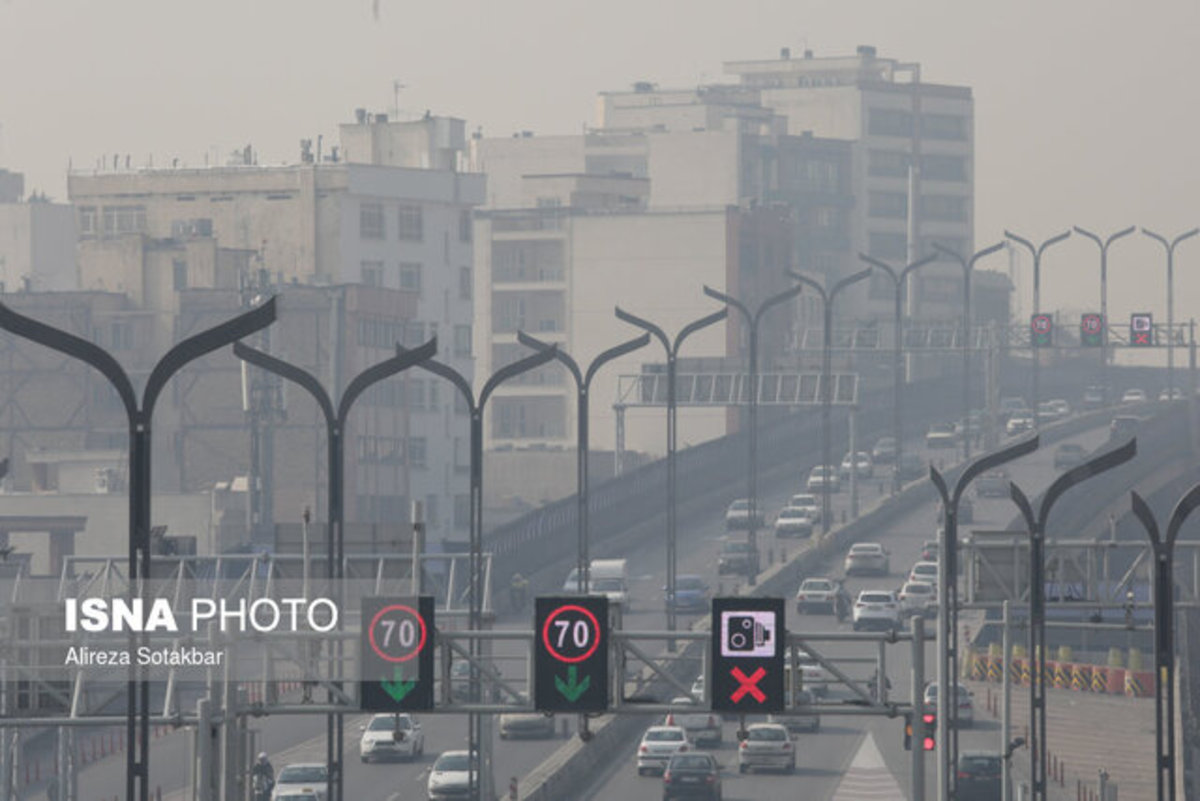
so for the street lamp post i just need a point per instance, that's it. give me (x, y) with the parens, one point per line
(1170, 248)
(967, 267)
(752, 320)
(1164, 632)
(898, 277)
(583, 381)
(1037, 598)
(137, 720)
(947, 619)
(827, 381)
(1037, 252)
(672, 350)
(335, 433)
(1104, 244)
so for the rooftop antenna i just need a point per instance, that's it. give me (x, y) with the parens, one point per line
(396, 87)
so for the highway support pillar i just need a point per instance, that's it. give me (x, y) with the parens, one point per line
(918, 713)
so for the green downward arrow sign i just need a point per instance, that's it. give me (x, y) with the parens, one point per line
(572, 688)
(397, 687)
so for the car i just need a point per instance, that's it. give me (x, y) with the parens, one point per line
(1069, 454)
(808, 502)
(692, 776)
(698, 687)
(813, 675)
(766, 745)
(1046, 413)
(863, 466)
(526, 724)
(1134, 396)
(876, 609)
(1122, 427)
(924, 571)
(817, 594)
(1171, 394)
(449, 778)
(614, 589)
(884, 451)
(801, 717)
(1094, 397)
(692, 594)
(737, 516)
(911, 466)
(917, 598)
(867, 557)
(966, 707)
(1061, 407)
(821, 475)
(930, 550)
(1019, 423)
(391, 736)
(978, 776)
(301, 777)
(941, 435)
(658, 745)
(993, 484)
(793, 522)
(702, 726)
(737, 557)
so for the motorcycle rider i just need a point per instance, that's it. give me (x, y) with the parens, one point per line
(262, 777)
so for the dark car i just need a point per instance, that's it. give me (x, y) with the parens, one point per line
(1069, 454)
(978, 776)
(691, 594)
(910, 467)
(884, 451)
(737, 557)
(692, 775)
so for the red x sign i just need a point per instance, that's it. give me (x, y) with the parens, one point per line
(748, 684)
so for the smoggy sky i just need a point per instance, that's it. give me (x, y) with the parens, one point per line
(1086, 111)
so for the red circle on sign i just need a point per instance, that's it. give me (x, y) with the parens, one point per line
(546, 633)
(379, 651)
(1091, 323)
(1041, 323)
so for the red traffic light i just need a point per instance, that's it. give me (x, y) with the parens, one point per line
(930, 740)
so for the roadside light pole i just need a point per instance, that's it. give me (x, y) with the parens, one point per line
(1037, 252)
(1104, 246)
(1170, 248)
(1164, 633)
(1037, 598)
(752, 321)
(583, 381)
(672, 349)
(967, 267)
(947, 618)
(137, 719)
(335, 433)
(826, 384)
(897, 277)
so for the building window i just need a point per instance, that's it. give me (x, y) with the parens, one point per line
(827, 217)
(370, 221)
(944, 126)
(411, 226)
(887, 163)
(821, 176)
(462, 340)
(179, 273)
(372, 273)
(87, 220)
(888, 246)
(124, 219)
(416, 452)
(944, 168)
(945, 208)
(410, 276)
(462, 511)
(465, 225)
(888, 204)
(464, 283)
(889, 122)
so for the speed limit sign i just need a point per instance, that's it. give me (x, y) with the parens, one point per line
(571, 654)
(396, 654)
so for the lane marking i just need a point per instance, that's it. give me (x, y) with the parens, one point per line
(868, 777)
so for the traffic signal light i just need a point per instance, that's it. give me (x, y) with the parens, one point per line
(908, 731)
(1041, 330)
(570, 667)
(396, 654)
(929, 721)
(747, 655)
(1091, 331)
(1141, 330)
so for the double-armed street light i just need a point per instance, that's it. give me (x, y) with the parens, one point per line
(1170, 246)
(1104, 245)
(1036, 252)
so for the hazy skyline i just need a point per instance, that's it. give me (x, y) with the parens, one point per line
(1083, 114)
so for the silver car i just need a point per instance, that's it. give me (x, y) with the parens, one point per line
(867, 557)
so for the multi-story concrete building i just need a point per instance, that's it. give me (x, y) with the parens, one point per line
(388, 209)
(37, 240)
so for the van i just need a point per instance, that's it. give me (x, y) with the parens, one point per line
(609, 577)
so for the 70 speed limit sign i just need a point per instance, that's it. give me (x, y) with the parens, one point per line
(396, 654)
(571, 654)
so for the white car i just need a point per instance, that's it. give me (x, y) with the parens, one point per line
(450, 776)
(1061, 408)
(1170, 395)
(767, 745)
(924, 571)
(1019, 423)
(301, 778)
(863, 465)
(917, 598)
(1134, 396)
(658, 745)
(867, 557)
(876, 609)
(821, 475)
(808, 502)
(612, 588)
(737, 516)
(966, 707)
(817, 593)
(396, 736)
(793, 522)
(702, 727)
(941, 435)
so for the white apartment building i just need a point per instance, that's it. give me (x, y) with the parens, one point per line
(37, 240)
(389, 208)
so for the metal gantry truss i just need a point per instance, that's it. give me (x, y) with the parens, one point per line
(947, 336)
(733, 389)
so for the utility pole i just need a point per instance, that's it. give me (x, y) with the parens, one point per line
(918, 705)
